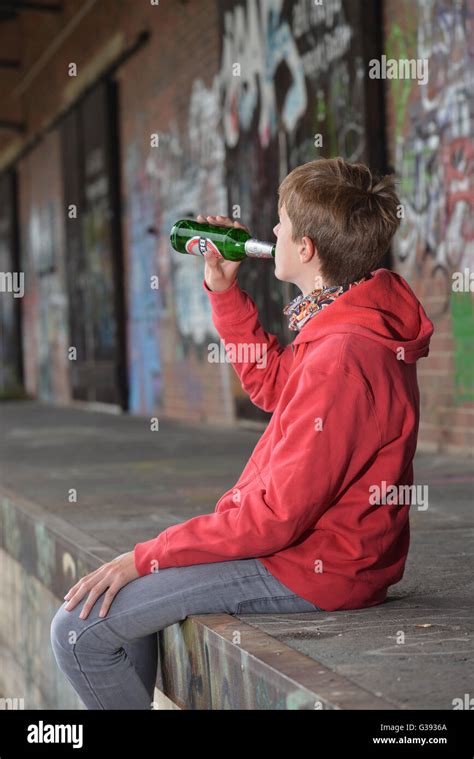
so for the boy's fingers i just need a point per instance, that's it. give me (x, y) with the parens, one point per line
(92, 598)
(75, 598)
(75, 587)
(223, 221)
(228, 222)
(211, 259)
(109, 597)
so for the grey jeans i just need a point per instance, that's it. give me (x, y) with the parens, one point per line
(111, 661)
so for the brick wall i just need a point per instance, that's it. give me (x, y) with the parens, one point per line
(167, 90)
(431, 142)
(225, 141)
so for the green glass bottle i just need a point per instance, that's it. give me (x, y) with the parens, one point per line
(231, 243)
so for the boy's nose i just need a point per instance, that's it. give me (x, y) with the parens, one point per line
(275, 229)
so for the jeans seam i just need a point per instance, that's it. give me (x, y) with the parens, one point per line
(92, 690)
(267, 598)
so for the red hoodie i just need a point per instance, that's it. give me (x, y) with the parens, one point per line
(345, 403)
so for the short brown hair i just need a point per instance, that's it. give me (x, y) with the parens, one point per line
(349, 213)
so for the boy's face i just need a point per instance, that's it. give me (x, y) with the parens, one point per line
(294, 261)
(286, 252)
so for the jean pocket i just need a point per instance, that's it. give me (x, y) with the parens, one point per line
(289, 604)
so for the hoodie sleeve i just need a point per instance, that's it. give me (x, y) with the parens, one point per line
(265, 363)
(329, 432)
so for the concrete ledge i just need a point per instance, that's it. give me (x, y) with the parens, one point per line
(204, 667)
(414, 651)
(206, 662)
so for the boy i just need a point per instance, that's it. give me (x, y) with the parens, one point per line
(301, 530)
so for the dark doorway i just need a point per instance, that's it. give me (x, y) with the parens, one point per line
(94, 261)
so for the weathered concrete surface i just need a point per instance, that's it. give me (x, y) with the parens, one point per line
(416, 650)
(205, 662)
(29, 676)
(26, 604)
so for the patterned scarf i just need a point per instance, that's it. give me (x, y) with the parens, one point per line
(303, 307)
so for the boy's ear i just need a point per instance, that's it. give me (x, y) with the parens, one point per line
(307, 250)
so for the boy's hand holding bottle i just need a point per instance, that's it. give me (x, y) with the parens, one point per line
(222, 242)
(219, 272)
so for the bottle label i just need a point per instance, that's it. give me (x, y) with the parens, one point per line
(198, 245)
(258, 249)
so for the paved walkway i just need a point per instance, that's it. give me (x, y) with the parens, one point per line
(132, 483)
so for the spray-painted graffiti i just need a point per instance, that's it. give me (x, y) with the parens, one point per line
(344, 113)
(41, 246)
(45, 306)
(286, 71)
(258, 40)
(310, 43)
(462, 318)
(434, 147)
(199, 673)
(182, 176)
(434, 156)
(144, 367)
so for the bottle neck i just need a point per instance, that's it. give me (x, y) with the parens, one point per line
(258, 249)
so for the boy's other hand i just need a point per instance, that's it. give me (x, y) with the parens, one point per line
(108, 578)
(219, 273)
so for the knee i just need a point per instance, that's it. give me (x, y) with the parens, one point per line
(72, 635)
(62, 631)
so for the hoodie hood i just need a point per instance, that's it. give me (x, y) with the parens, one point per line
(384, 309)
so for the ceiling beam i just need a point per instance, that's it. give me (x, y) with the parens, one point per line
(18, 6)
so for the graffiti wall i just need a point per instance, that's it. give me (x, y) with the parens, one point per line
(276, 83)
(280, 83)
(431, 136)
(44, 305)
(173, 167)
(293, 89)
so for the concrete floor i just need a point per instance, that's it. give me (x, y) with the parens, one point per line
(416, 650)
